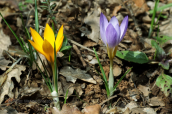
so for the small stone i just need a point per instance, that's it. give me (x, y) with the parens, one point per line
(116, 70)
(90, 57)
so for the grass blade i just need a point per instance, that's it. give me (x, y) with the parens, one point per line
(20, 42)
(121, 79)
(103, 73)
(36, 17)
(153, 18)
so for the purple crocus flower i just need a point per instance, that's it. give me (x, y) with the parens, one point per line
(111, 33)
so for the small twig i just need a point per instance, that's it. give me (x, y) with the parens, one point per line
(79, 55)
(117, 101)
(81, 46)
(108, 100)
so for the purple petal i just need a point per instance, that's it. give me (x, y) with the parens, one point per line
(111, 36)
(114, 21)
(103, 25)
(118, 32)
(123, 27)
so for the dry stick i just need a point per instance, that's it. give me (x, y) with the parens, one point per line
(107, 100)
(79, 55)
(73, 42)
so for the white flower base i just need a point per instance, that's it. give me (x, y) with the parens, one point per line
(56, 99)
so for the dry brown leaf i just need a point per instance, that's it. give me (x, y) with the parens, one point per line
(166, 30)
(4, 63)
(137, 111)
(65, 110)
(131, 105)
(94, 61)
(144, 90)
(114, 2)
(4, 41)
(17, 51)
(142, 111)
(115, 110)
(5, 12)
(92, 20)
(12, 3)
(72, 75)
(93, 109)
(155, 101)
(89, 43)
(9, 85)
(139, 7)
(115, 10)
(70, 87)
(44, 60)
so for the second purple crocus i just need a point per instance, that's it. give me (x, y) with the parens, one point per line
(111, 33)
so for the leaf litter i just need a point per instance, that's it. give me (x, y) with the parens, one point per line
(140, 92)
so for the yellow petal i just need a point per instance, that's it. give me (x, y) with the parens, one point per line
(60, 33)
(36, 37)
(49, 50)
(59, 44)
(49, 35)
(38, 48)
(59, 39)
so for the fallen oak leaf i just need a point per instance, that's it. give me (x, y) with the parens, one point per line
(93, 109)
(65, 110)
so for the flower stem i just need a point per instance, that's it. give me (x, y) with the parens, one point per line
(55, 89)
(111, 78)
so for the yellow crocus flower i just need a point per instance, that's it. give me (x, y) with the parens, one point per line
(46, 46)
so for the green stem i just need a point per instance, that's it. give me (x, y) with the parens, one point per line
(111, 78)
(55, 89)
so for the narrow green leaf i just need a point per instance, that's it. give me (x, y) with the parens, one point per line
(121, 79)
(44, 7)
(65, 41)
(66, 96)
(153, 18)
(103, 73)
(55, 69)
(133, 56)
(36, 17)
(53, 28)
(65, 48)
(161, 8)
(160, 53)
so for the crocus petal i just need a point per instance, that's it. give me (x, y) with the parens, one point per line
(60, 33)
(114, 21)
(118, 32)
(49, 35)
(36, 37)
(59, 39)
(111, 36)
(38, 48)
(49, 50)
(59, 43)
(103, 26)
(123, 27)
